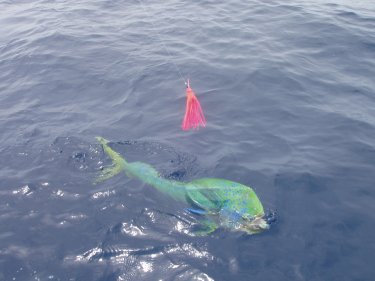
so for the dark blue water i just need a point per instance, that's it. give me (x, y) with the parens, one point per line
(288, 90)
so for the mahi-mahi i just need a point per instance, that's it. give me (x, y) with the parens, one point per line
(217, 202)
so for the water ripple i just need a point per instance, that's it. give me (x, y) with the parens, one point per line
(288, 93)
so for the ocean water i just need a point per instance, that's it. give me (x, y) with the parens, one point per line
(288, 89)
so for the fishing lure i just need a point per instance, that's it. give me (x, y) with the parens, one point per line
(194, 116)
(217, 202)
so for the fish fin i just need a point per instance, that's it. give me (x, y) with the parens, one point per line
(230, 217)
(102, 140)
(204, 199)
(108, 173)
(205, 227)
(118, 165)
(197, 211)
(115, 156)
(207, 193)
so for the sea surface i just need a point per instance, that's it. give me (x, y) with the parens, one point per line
(288, 90)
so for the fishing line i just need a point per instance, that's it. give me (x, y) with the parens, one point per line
(162, 42)
(194, 116)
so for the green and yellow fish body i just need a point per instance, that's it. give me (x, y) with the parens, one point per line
(220, 202)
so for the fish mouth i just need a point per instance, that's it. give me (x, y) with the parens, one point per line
(259, 223)
(255, 225)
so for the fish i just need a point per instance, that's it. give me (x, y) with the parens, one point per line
(218, 203)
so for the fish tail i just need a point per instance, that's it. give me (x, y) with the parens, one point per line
(118, 162)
